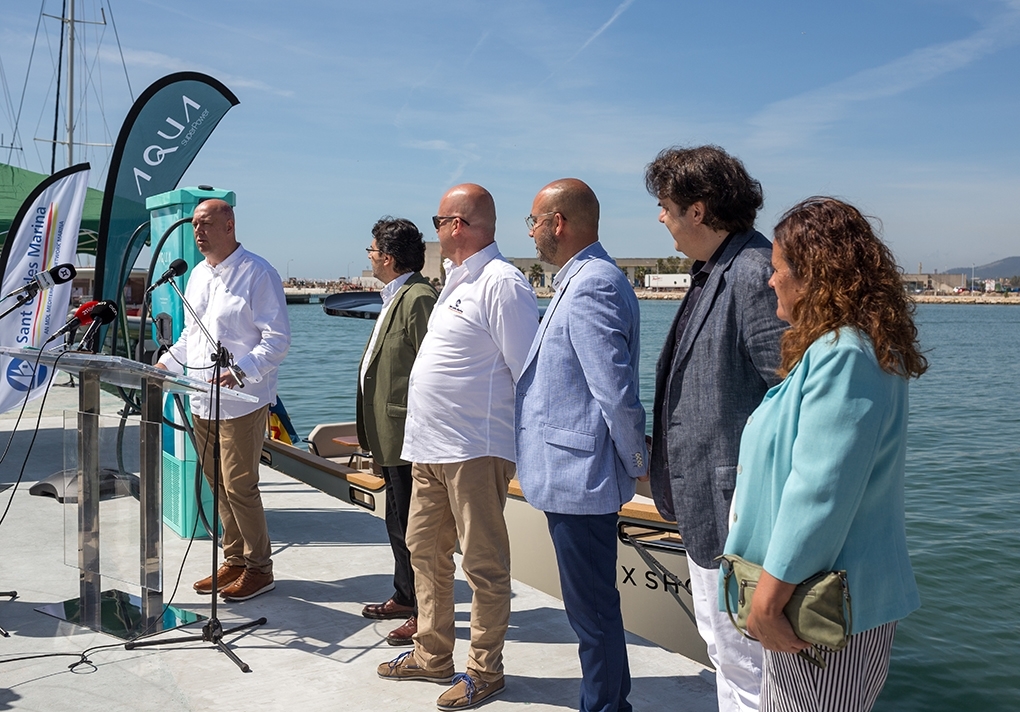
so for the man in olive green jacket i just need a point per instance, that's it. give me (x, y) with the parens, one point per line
(397, 255)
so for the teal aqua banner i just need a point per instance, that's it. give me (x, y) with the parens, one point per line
(162, 134)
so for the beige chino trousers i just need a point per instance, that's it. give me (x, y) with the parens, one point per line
(245, 533)
(461, 501)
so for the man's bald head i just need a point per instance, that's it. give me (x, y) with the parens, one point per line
(215, 206)
(476, 228)
(213, 223)
(473, 203)
(575, 200)
(567, 213)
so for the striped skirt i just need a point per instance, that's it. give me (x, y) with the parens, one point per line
(850, 682)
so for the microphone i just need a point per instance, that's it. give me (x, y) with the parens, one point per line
(82, 315)
(44, 280)
(102, 313)
(237, 373)
(177, 268)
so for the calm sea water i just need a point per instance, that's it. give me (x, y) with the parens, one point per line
(961, 650)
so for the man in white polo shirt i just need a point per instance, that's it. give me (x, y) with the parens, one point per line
(460, 436)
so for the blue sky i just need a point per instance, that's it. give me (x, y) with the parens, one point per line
(351, 111)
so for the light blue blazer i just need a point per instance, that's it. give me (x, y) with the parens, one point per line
(580, 424)
(820, 478)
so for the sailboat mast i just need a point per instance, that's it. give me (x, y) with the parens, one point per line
(60, 84)
(70, 85)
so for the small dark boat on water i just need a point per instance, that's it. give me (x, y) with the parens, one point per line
(359, 305)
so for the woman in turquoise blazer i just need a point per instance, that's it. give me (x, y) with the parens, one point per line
(820, 475)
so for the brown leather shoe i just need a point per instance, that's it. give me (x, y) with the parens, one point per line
(405, 667)
(467, 692)
(387, 611)
(402, 635)
(226, 574)
(251, 584)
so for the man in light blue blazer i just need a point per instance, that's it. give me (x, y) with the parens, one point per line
(581, 428)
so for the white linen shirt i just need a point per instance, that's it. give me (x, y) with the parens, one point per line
(460, 403)
(241, 302)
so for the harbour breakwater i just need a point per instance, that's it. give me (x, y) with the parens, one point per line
(977, 298)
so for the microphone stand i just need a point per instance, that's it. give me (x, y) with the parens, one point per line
(22, 301)
(12, 595)
(212, 631)
(68, 343)
(221, 357)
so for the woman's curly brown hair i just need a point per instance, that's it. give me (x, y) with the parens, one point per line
(850, 279)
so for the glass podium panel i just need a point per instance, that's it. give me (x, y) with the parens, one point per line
(119, 491)
(114, 528)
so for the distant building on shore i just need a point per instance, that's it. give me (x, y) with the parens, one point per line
(668, 282)
(934, 282)
(535, 270)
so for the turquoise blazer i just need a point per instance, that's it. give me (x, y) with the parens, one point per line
(820, 479)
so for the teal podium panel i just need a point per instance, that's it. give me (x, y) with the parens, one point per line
(180, 505)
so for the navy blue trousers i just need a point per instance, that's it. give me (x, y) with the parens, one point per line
(586, 556)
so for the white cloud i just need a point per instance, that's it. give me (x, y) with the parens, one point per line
(146, 59)
(619, 11)
(789, 122)
(478, 44)
(433, 145)
(462, 157)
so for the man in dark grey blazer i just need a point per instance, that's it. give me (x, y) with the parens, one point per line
(719, 359)
(397, 255)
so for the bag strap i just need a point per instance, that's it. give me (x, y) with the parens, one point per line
(812, 654)
(727, 567)
(849, 608)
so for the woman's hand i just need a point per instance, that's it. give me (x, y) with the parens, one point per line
(767, 622)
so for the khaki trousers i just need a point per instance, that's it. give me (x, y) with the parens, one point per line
(245, 534)
(465, 501)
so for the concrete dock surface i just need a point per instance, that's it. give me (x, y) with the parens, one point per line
(316, 652)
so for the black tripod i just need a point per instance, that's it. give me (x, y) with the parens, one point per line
(13, 595)
(212, 631)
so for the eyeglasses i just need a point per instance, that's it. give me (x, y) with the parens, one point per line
(532, 220)
(438, 220)
(370, 250)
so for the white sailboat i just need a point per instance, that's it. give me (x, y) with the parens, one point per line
(78, 103)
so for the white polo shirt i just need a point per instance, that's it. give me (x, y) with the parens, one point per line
(460, 403)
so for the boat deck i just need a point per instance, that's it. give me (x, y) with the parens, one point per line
(315, 652)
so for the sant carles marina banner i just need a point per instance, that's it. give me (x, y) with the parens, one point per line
(161, 136)
(44, 234)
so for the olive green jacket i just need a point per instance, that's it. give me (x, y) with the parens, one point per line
(382, 405)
